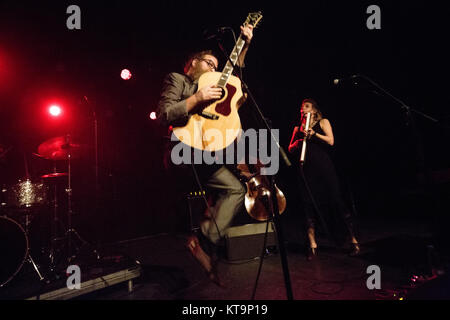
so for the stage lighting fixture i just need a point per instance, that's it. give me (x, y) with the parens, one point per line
(55, 110)
(125, 74)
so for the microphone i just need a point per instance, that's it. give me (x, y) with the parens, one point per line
(339, 81)
(215, 34)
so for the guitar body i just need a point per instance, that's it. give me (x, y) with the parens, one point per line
(218, 125)
(213, 135)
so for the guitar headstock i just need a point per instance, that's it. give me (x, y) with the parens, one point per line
(253, 18)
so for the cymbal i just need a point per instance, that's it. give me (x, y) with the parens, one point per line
(59, 149)
(54, 175)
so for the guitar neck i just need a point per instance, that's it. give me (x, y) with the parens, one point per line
(228, 69)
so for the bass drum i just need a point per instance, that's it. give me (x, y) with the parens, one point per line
(13, 249)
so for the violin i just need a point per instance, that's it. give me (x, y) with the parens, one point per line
(258, 195)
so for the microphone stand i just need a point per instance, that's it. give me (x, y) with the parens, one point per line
(274, 201)
(94, 115)
(403, 105)
(408, 111)
(96, 168)
(427, 175)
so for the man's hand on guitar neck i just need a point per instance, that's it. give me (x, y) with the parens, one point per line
(247, 35)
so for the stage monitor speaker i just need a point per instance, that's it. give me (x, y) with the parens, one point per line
(246, 241)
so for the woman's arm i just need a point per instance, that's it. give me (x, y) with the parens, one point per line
(328, 136)
(294, 144)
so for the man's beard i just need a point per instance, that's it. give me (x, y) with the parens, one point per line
(198, 72)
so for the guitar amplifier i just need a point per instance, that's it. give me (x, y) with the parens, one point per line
(246, 241)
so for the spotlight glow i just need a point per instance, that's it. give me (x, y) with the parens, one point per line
(125, 74)
(55, 110)
(153, 115)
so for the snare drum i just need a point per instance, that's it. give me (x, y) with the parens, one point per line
(13, 249)
(26, 194)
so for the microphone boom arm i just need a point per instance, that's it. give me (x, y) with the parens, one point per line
(403, 105)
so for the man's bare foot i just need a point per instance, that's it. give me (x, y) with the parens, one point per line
(214, 277)
(197, 252)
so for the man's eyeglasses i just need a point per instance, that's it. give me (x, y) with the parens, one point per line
(209, 63)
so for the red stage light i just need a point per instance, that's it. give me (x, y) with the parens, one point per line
(125, 74)
(55, 110)
(153, 115)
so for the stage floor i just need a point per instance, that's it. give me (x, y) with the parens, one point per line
(168, 272)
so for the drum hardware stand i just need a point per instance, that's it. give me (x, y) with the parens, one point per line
(28, 222)
(29, 257)
(66, 240)
(63, 235)
(70, 230)
(54, 226)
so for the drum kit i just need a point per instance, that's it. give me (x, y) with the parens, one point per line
(21, 202)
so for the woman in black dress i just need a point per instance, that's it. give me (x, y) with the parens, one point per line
(320, 174)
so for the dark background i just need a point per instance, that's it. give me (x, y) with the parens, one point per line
(299, 48)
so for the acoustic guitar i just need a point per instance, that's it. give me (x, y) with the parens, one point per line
(218, 125)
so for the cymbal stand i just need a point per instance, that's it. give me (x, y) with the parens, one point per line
(70, 230)
(54, 225)
(29, 257)
(28, 222)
